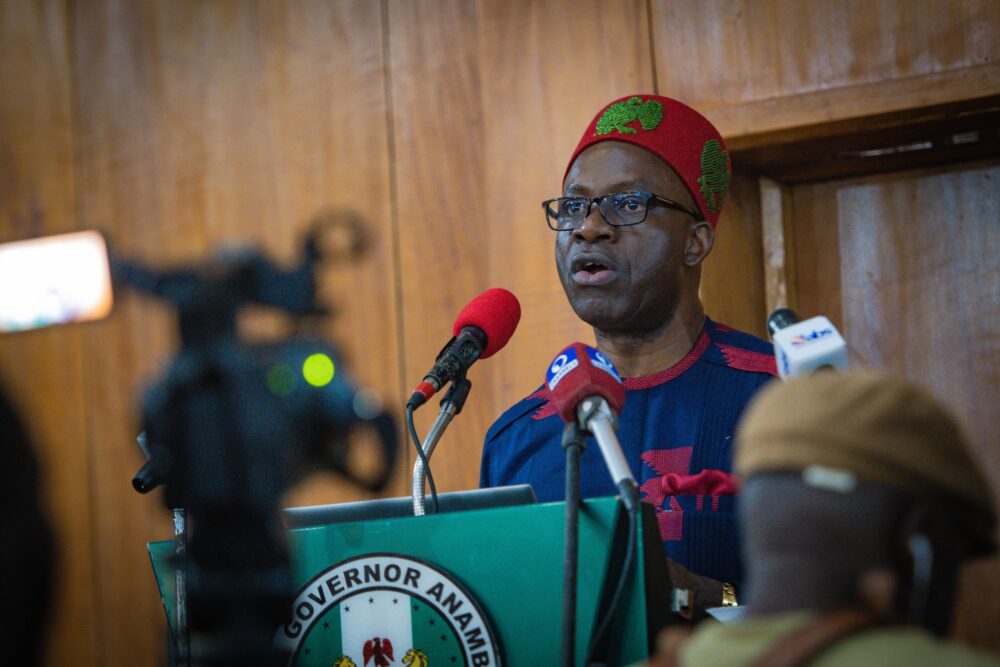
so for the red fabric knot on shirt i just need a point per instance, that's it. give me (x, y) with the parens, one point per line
(705, 483)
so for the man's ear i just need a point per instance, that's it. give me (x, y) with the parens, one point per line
(700, 239)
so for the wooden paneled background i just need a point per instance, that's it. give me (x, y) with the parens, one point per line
(179, 125)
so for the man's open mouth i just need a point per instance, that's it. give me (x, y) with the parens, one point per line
(592, 271)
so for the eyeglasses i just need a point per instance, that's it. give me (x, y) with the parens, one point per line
(619, 209)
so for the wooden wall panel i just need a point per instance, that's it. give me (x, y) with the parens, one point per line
(204, 123)
(776, 238)
(722, 52)
(815, 246)
(732, 279)
(437, 123)
(41, 371)
(768, 65)
(915, 259)
(545, 73)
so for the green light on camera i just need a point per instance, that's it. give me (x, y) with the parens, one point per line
(281, 379)
(318, 369)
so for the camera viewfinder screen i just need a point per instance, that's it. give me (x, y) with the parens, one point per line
(54, 280)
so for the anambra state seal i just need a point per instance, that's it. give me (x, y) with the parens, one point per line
(383, 610)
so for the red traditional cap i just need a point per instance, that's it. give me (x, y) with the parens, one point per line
(678, 135)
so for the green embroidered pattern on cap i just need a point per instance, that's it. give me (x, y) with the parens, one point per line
(714, 179)
(648, 113)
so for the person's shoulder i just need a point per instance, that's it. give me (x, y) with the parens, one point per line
(535, 406)
(746, 640)
(723, 334)
(739, 642)
(739, 350)
(903, 646)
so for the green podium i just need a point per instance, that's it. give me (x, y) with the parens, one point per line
(474, 588)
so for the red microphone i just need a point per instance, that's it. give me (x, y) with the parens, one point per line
(496, 312)
(481, 329)
(580, 371)
(585, 387)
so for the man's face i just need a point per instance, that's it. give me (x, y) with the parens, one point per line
(624, 280)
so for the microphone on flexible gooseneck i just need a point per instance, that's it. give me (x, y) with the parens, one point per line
(482, 328)
(586, 388)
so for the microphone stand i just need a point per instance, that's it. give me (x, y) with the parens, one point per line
(573, 442)
(182, 642)
(451, 405)
(148, 478)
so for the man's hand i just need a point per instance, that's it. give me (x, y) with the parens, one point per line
(705, 592)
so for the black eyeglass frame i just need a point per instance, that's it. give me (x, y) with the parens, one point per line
(649, 196)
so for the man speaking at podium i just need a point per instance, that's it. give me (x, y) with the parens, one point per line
(641, 199)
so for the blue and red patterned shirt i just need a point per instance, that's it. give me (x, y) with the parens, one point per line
(676, 430)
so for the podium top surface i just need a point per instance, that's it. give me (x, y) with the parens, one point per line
(397, 508)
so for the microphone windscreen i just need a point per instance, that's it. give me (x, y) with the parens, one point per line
(497, 312)
(580, 371)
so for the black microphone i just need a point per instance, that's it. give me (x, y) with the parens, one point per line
(481, 329)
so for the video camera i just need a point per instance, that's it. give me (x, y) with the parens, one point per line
(231, 425)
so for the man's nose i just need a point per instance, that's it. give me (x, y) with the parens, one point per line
(594, 227)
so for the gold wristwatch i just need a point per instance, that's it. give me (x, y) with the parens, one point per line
(729, 596)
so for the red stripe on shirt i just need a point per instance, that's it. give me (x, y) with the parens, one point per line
(747, 360)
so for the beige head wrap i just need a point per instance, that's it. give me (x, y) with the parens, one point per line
(873, 426)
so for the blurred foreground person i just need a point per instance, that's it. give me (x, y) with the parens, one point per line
(25, 548)
(859, 505)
